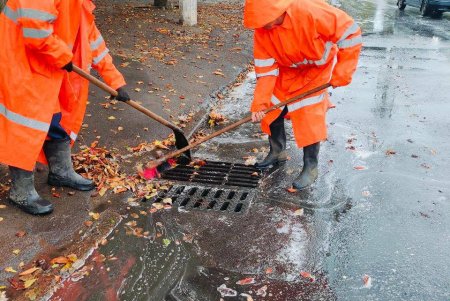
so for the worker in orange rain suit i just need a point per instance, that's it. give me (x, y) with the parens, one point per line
(299, 45)
(42, 104)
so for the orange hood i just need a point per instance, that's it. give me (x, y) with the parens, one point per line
(258, 13)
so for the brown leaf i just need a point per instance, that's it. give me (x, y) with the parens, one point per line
(269, 271)
(21, 234)
(88, 223)
(292, 190)
(360, 167)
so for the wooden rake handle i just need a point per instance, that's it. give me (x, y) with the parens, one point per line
(95, 81)
(157, 162)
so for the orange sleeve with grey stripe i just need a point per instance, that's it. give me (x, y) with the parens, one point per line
(36, 19)
(340, 29)
(102, 60)
(266, 69)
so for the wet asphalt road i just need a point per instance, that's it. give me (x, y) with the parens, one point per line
(380, 208)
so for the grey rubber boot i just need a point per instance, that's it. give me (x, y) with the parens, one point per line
(24, 195)
(310, 169)
(277, 142)
(61, 168)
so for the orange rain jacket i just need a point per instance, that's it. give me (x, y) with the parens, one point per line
(39, 38)
(316, 44)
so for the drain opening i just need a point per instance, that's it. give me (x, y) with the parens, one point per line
(244, 196)
(206, 192)
(193, 191)
(211, 205)
(225, 206)
(180, 189)
(185, 202)
(231, 195)
(198, 204)
(218, 194)
(238, 207)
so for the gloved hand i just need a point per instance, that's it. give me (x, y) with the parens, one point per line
(68, 67)
(122, 95)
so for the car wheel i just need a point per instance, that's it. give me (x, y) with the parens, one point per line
(401, 4)
(425, 8)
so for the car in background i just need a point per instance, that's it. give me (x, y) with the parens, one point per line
(433, 8)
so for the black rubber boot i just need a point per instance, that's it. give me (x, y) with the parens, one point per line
(24, 195)
(310, 169)
(61, 168)
(277, 142)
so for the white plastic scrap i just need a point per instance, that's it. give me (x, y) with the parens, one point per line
(226, 292)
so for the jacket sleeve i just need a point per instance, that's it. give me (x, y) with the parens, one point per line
(102, 60)
(36, 22)
(266, 69)
(336, 26)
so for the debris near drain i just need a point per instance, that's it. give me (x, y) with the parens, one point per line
(226, 292)
(216, 119)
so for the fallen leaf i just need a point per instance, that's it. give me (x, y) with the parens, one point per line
(2, 206)
(10, 270)
(120, 128)
(1, 219)
(218, 72)
(166, 242)
(59, 260)
(88, 223)
(390, 152)
(21, 234)
(16, 252)
(71, 193)
(250, 160)
(299, 212)
(56, 195)
(307, 275)
(255, 174)
(29, 282)
(137, 89)
(246, 281)
(95, 216)
(167, 201)
(29, 271)
(292, 190)
(269, 271)
(158, 206)
(134, 215)
(111, 118)
(367, 280)
(359, 167)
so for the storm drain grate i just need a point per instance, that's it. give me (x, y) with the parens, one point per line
(216, 173)
(207, 198)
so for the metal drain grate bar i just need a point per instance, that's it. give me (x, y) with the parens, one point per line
(207, 198)
(216, 173)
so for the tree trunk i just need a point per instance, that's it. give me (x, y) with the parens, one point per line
(2, 4)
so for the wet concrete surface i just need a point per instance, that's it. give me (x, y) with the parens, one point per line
(380, 207)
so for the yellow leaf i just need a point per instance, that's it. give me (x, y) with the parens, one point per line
(1, 219)
(72, 257)
(111, 118)
(120, 128)
(103, 191)
(29, 282)
(167, 201)
(158, 206)
(137, 90)
(2, 287)
(10, 270)
(299, 212)
(95, 216)
(2, 206)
